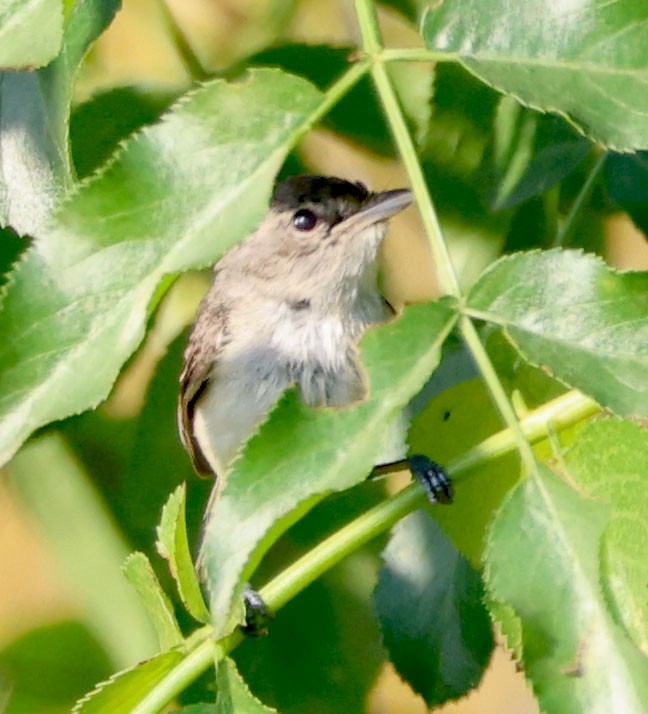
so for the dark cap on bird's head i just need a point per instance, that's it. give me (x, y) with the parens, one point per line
(338, 199)
(297, 190)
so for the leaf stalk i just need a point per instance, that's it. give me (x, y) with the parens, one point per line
(567, 226)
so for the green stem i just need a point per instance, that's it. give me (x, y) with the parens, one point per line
(372, 45)
(445, 271)
(562, 412)
(551, 201)
(497, 392)
(193, 66)
(328, 553)
(177, 680)
(559, 413)
(567, 226)
(339, 89)
(369, 27)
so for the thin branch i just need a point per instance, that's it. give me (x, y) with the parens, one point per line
(193, 66)
(567, 226)
(406, 148)
(497, 392)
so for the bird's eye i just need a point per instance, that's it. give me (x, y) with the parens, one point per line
(304, 220)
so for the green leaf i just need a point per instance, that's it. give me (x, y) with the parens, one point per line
(429, 602)
(30, 32)
(529, 154)
(542, 559)
(461, 125)
(173, 545)
(123, 691)
(139, 572)
(197, 709)
(34, 114)
(275, 667)
(87, 544)
(531, 386)
(301, 453)
(508, 625)
(233, 695)
(414, 84)
(358, 114)
(47, 669)
(76, 306)
(452, 422)
(572, 315)
(98, 125)
(609, 461)
(626, 180)
(585, 60)
(11, 247)
(33, 164)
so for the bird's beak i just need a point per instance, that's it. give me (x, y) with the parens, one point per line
(380, 207)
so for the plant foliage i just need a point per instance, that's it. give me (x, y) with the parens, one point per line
(510, 116)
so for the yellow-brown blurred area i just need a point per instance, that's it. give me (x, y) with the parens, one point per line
(143, 45)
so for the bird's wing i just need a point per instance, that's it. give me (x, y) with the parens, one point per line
(207, 340)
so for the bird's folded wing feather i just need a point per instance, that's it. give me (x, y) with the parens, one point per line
(207, 341)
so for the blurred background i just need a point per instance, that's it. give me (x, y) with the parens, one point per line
(83, 495)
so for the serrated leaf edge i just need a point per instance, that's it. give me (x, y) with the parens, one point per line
(101, 686)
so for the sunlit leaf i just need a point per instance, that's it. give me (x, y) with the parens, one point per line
(453, 421)
(77, 304)
(30, 32)
(124, 690)
(609, 461)
(139, 572)
(572, 315)
(542, 559)
(173, 545)
(586, 60)
(34, 112)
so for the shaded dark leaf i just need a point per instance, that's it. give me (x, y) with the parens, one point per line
(429, 602)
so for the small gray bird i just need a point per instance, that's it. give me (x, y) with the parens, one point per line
(287, 307)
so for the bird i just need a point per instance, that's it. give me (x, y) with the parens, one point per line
(286, 307)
